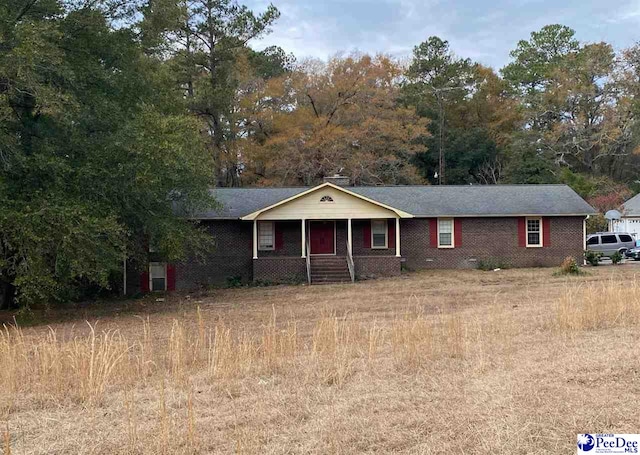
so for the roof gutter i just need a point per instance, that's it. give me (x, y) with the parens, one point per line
(245, 218)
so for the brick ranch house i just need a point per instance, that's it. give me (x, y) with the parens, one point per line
(334, 232)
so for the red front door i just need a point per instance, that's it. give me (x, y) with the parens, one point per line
(322, 237)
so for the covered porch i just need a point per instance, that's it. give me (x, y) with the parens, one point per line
(327, 234)
(299, 250)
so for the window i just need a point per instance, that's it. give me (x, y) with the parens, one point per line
(379, 233)
(609, 239)
(266, 236)
(157, 276)
(326, 199)
(595, 240)
(534, 232)
(445, 233)
(625, 238)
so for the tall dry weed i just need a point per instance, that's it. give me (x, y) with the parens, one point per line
(598, 306)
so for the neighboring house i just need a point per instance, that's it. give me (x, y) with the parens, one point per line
(630, 220)
(336, 233)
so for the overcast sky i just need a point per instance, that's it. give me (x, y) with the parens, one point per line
(484, 30)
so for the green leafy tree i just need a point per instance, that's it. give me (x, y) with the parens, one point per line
(536, 60)
(96, 153)
(438, 80)
(271, 62)
(526, 163)
(472, 116)
(471, 156)
(207, 41)
(573, 99)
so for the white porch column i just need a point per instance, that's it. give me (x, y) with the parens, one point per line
(349, 237)
(398, 237)
(304, 238)
(255, 239)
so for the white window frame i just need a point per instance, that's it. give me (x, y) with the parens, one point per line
(526, 231)
(261, 224)
(163, 264)
(386, 235)
(453, 233)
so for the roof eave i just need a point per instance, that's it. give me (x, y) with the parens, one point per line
(245, 218)
(501, 215)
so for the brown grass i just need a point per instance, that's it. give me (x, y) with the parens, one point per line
(515, 361)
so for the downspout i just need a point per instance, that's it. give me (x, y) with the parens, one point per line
(584, 239)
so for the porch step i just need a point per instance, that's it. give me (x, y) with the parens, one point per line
(329, 269)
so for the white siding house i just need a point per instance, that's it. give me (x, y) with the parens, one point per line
(630, 221)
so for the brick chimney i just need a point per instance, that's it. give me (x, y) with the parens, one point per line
(337, 179)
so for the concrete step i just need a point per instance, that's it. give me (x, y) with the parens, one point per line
(329, 269)
(330, 280)
(330, 275)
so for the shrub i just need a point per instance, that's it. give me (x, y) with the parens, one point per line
(491, 264)
(592, 257)
(616, 257)
(569, 267)
(234, 281)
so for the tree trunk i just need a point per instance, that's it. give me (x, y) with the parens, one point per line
(7, 295)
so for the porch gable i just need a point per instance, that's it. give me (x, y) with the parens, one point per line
(327, 202)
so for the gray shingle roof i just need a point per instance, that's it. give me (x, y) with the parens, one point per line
(425, 201)
(238, 202)
(631, 207)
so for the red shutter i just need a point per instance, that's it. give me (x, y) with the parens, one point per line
(144, 281)
(433, 232)
(546, 231)
(278, 234)
(522, 232)
(457, 232)
(366, 234)
(171, 277)
(391, 241)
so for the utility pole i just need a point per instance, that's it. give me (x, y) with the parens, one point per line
(438, 92)
(441, 138)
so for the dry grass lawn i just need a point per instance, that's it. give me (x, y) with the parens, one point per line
(516, 361)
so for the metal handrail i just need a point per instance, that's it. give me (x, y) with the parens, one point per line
(308, 257)
(350, 264)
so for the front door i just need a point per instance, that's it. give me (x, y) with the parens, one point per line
(322, 237)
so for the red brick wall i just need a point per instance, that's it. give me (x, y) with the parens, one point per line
(280, 269)
(290, 233)
(359, 249)
(483, 239)
(490, 239)
(376, 266)
(230, 258)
